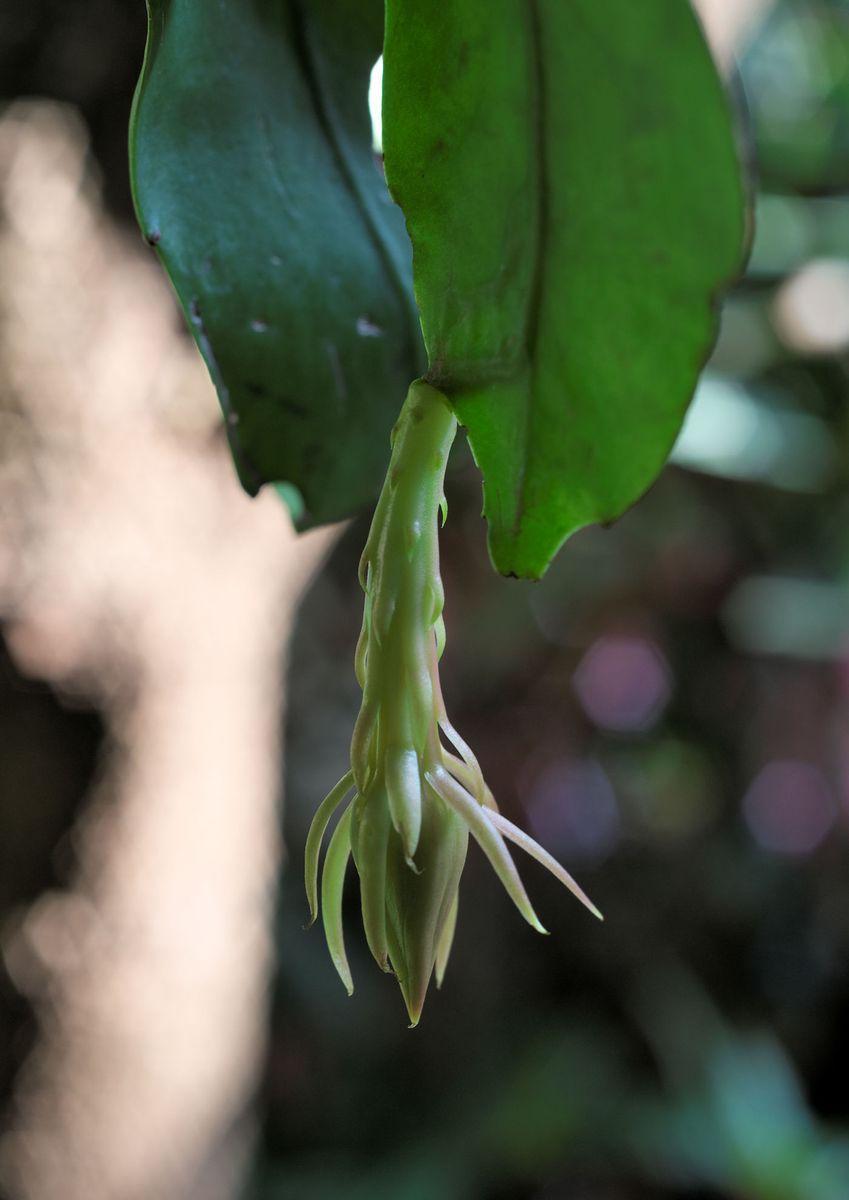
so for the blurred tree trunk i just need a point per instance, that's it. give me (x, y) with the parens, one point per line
(135, 573)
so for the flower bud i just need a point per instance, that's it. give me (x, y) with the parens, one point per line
(419, 901)
(416, 800)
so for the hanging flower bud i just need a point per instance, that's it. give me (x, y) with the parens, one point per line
(418, 791)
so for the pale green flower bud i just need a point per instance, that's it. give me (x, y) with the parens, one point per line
(421, 902)
(416, 801)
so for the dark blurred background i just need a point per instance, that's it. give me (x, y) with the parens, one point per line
(668, 712)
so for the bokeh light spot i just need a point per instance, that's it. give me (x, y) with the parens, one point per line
(789, 807)
(623, 683)
(572, 810)
(811, 310)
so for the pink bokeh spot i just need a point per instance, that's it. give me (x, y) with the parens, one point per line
(623, 683)
(789, 807)
(572, 810)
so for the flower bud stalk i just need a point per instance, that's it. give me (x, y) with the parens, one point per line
(415, 799)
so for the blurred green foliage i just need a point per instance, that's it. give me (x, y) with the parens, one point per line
(797, 69)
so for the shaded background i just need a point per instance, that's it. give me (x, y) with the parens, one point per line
(666, 711)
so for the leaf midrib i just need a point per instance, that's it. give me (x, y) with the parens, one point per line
(337, 141)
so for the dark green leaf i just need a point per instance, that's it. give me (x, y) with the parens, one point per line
(570, 183)
(254, 177)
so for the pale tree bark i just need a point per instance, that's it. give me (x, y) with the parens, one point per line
(133, 570)
(728, 23)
